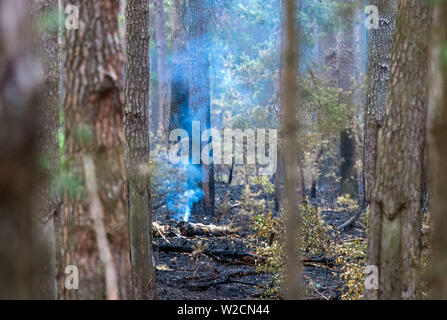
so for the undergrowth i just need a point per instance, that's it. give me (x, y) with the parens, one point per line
(317, 240)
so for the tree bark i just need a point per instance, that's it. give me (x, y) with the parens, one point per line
(176, 18)
(94, 125)
(47, 199)
(137, 149)
(394, 240)
(199, 95)
(96, 211)
(313, 187)
(331, 57)
(346, 71)
(437, 156)
(289, 106)
(179, 79)
(20, 253)
(379, 60)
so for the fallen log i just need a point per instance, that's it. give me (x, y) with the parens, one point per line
(351, 220)
(312, 285)
(161, 230)
(222, 255)
(158, 206)
(318, 262)
(324, 260)
(203, 285)
(236, 274)
(189, 229)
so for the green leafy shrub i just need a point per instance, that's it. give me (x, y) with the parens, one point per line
(269, 242)
(351, 255)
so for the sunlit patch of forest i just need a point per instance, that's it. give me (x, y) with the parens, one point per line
(229, 150)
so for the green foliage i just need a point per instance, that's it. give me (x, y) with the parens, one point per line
(347, 203)
(351, 255)
(264, 181)
(251, 202)
(315, 238)
(317, 13)
(70, 184)
(269, 242)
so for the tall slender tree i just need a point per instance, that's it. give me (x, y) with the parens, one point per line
(179, 79)
(379, 59)
(289, 107)
(94, 126)
(45, 21)
(199, 94)
(346, 71)
(394, 240)
(437, 155)
(136, 122)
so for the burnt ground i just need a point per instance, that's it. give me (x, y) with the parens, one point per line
(196, 276)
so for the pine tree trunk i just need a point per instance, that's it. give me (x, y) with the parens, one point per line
(330, 62)
(21, 258)
(199, 95)
(379, 60)
(179, 81)
(394, 240)
(47, 199)
(164, 86)
(313, 187)
(137, 149)
(346, 71)
(94, 125)
(437, 156)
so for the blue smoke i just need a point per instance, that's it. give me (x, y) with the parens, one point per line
(243, 44)
(182, 190)
(183, 203)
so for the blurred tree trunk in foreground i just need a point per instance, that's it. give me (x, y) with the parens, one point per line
(394, 239)
(20, 254)
(94, 126)
(279, 171)
(437, 155)
(45, 21)
(136, 122)
(379, 59)
(289, 107)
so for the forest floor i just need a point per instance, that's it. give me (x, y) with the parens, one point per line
(196, 276)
